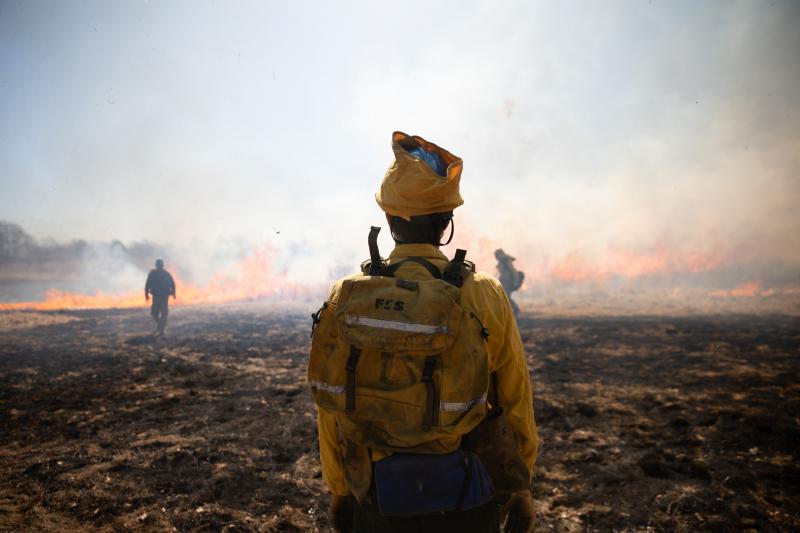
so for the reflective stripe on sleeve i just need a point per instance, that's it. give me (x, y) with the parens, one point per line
(393, 324)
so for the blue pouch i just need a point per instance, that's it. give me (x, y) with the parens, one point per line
(432, 159)
(408, 484)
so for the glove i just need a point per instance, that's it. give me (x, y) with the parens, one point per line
(519, 512)
(341, 513)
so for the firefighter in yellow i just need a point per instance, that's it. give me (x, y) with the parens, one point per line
(417, 368)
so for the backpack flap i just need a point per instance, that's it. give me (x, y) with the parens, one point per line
(401, 365)
(399, 316)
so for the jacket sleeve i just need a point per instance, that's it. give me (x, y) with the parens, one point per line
(513, 380)
(330, 455)
(330, 452)
(171, 285)
(149, 283)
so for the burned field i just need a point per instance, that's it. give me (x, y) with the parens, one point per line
(662, 424)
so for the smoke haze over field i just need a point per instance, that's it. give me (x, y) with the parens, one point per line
(622, 151)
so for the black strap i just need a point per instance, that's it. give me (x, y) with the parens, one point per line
(494, 398)
(376, 263)
(492, 395)
(431, 418)
(390, 270)
(452, 232)
(350, 387)
(429, 219)
(452, 273)
(316, 317)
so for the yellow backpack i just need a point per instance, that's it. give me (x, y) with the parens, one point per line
(401, 363)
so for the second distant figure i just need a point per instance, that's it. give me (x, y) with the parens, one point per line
(161, 285)
(510, 278)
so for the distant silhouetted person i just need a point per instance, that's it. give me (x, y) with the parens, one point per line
(510, 278)
(161, 285)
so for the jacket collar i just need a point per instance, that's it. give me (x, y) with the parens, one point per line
(427, 251)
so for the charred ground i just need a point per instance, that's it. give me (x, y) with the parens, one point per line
(664, 424)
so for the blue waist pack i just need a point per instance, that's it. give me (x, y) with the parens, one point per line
(407, 484)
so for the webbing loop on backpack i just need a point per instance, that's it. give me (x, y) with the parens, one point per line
(376, 263)
(350, 387)
(432, 402)
(390, 270)
(452, 273)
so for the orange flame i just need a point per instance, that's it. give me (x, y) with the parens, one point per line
(745, 290)
(580, 268)
(621, 263)
(252, 279)
(55, 299)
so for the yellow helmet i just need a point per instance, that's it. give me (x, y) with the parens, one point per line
(411, 187)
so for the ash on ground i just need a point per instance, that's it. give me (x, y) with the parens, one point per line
(648, 424)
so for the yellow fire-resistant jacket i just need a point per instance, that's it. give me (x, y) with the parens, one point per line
(486, 298)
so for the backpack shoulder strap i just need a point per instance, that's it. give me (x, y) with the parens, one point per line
(453, 274)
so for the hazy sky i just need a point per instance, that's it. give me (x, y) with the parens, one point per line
(591, 132)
